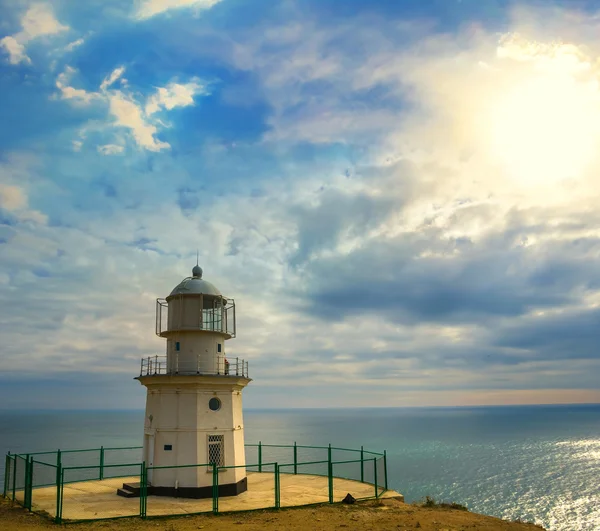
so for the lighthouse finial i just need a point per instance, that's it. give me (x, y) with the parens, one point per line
(197, 270)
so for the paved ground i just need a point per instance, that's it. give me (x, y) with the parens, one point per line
(97, 499)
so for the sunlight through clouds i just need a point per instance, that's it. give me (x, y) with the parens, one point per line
(546, 126)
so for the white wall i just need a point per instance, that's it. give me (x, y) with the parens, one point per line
(198, 351)
(181, 417)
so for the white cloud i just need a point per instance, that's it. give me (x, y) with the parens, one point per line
(72, 45)
(110, 149)
(37, 21)
(68, 92)
(150, 8)
(174, 95)
(128, 114)
(15, 50)
(14, 200)
(124, 108)
(114, 75)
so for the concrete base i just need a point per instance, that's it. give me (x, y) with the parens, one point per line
(89, 500)
(198, 493)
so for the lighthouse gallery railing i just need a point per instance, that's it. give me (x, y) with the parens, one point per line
(160, 365)
(219, 318)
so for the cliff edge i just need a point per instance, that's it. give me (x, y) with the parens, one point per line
(388, 514)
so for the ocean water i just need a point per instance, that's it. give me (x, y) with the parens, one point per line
(536, 463)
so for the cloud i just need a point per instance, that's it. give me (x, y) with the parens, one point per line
(72, 45)
(15, 50)
(129, 115)
(426, 277)
(375, 214)
(68, 92)
(124, 108)
(571, 333)
(14, 200)
(174, 95)
(151, 8)
(338, 216)
(110, 149)
(37, 21)
(114, 75)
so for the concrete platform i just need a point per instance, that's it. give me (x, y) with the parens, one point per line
(98, 499)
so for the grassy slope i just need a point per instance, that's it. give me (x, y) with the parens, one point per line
(383, 515)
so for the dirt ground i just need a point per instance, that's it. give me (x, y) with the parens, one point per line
(374, 515)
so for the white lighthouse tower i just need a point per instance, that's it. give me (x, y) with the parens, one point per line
(194, 395)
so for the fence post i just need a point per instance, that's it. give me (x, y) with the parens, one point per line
(25, 478)
(259, 456)
(329, 474)
(58, 466)
(215, 489)
(14, 485)
(28, 482)
(31, 482)
(295, 458)
(362, 465)
(277, 486)
(101, 475)
(6, 474)
(375, 474)
(61, 477)
(385, 482)
(143, 490)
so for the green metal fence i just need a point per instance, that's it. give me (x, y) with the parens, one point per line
(37, 480)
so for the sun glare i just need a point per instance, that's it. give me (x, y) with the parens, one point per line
(546, 128)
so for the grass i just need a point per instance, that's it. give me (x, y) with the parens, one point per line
(431, 502)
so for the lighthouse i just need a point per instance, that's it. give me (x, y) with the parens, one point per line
(194, 395)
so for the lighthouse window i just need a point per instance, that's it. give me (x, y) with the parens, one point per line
(214, 404)
(177, 346)
(218, 347)
(216, 453)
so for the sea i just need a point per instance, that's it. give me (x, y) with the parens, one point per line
(534, 463)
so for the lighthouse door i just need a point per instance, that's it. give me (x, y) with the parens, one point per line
(149, 457)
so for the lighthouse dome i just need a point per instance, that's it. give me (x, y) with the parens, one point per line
(195, 285)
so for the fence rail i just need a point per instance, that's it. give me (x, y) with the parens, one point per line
(216, 366)
(37, 481)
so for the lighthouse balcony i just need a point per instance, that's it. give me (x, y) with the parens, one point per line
(197, 313)
(161, 365)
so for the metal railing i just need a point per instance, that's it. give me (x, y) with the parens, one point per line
(173, 316)
(23, 476)
(161, 365)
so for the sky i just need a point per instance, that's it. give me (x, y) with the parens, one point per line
(401, 197)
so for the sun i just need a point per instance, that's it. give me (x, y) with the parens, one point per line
(545, 128)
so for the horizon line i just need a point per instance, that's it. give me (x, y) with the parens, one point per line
(470, 406)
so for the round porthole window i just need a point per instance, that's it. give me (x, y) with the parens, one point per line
(214, 404)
